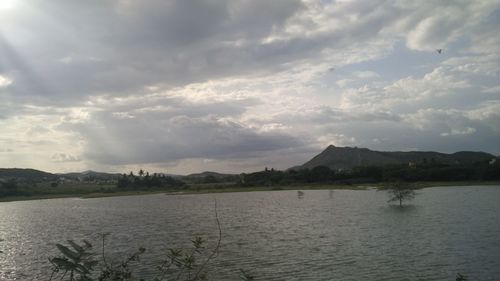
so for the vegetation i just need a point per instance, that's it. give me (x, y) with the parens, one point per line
(399, 192)
(425, 171)
(79, 263)
(9, 188)
(144, 181)
(93, 184)
(351, 157)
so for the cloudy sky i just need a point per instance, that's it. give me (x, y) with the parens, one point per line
(185, 86)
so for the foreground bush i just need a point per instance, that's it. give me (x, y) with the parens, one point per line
(78, 262)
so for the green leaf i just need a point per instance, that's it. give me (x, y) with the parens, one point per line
(75, 246)
(81, 269)
(87, 244)
(68, 253)
(90, 264)
(63, 263)
(246, 276)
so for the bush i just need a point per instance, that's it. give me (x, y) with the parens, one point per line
(79, 263)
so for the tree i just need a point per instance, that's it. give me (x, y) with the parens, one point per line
(123, 182)
(9, 187)
(400, 192)
(321, 174)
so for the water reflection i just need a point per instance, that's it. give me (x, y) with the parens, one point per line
(402, 209)
(300, 194)
(330, 193)
(349, 235)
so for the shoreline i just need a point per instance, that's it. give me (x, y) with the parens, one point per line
(218, 189)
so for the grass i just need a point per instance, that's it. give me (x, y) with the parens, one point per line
(455, 183)
(97, 191)
(219, 189)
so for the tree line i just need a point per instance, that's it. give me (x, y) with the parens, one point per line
(143, 180)
(425, 171)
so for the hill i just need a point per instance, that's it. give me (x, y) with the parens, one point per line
(26, 174)
(91, 176)
(209, 177)
(349, 157)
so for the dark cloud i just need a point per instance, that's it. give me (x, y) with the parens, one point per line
(144, 139)
(135, 82)
(138, 132)
(118, 47)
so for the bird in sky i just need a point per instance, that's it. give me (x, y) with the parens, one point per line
(439, 51)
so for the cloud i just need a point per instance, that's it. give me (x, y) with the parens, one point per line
(491, 90)
(131, 45)
(145, 140)
(243, 83)
(465, 131)
(4, 81)
(63, 157)
(137, 132)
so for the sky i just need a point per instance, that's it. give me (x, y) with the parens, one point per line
(183, 86)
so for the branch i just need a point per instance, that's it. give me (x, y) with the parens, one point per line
(215, 252)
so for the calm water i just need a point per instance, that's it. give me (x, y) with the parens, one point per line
(322, 235)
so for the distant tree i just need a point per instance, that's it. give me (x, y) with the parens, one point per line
(9, 187)
(399, 192)
(371, 172)
(141, 173)
(209, 179)
(123, 182)
(321, 174)
(147, 180)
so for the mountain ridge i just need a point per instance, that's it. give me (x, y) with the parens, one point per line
(349, 157)
(333, 157)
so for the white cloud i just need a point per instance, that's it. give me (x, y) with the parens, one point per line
(491, 90)
(337, 140)
(63, 157)
(465, 131)
(5, 81)
(171, 84)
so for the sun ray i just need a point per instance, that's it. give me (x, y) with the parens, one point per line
(6, 5)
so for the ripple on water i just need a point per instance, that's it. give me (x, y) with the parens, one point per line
(345, 235)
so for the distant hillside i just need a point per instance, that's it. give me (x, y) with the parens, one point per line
(91, 176)
(209, 177)
(26, 174)
(350, 157)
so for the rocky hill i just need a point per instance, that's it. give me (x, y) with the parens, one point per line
(209, 177)
(25, 174)
(350, 157)
(91, 176)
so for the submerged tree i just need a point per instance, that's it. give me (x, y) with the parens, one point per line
(399, 192)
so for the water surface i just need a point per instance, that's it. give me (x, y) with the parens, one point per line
(276, 235)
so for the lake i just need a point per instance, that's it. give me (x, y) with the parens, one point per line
(275, 235)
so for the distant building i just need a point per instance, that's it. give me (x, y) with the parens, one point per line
(412, 164)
